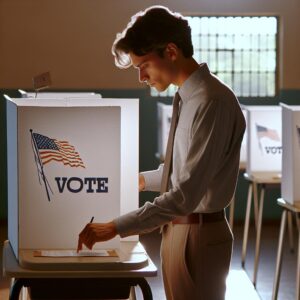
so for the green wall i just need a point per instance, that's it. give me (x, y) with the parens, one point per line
(148, 144)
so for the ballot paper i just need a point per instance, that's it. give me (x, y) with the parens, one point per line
(74, 253)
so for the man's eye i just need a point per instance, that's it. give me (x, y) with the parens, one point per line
(143, 67)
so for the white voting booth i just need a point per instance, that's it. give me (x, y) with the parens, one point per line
(290, 189)
(164, 116)
(66, 160)
(264, 140)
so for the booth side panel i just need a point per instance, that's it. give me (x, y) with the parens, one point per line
(287, 155)
(12, 176)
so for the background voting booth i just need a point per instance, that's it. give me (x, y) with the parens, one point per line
(290, 188)
(264, 161)
(66, 163)
(264, 145)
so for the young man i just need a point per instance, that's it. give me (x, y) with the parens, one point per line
(196, 239)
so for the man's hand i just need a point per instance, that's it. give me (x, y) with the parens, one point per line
(141, 182)
(96, 232)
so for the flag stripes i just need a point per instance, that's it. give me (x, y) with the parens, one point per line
(267, 132)
(55, 150)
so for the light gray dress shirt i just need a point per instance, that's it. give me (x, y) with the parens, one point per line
(205, 156)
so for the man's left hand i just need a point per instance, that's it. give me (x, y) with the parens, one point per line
(96, 232)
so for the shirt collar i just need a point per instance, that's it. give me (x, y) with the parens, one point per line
(192, 82)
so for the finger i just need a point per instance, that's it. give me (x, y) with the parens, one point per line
(84, 233)
(79, 246)
(90, 240)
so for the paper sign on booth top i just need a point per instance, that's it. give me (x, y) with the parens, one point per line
(264, 144)
(60, 174)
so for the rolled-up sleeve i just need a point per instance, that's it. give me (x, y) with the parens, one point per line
(153, 179)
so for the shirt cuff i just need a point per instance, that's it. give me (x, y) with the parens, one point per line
(127, 224)
(153, 179)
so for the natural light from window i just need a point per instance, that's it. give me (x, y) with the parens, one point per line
(241, 51)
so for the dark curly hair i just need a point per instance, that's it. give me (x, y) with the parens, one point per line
(151, 30)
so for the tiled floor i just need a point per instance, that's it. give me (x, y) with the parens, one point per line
(238, 279)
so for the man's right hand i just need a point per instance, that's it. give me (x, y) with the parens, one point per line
(141, 182)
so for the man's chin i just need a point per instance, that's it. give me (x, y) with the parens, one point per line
(160, 89)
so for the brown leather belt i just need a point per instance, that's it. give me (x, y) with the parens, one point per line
(196, 218)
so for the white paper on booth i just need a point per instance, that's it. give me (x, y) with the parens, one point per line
(74, 253)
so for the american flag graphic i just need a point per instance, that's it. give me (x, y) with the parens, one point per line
(267, 132)
(53, 150)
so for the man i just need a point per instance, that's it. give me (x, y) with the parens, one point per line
(196, 239)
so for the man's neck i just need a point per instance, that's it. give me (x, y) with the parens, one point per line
(186, 67)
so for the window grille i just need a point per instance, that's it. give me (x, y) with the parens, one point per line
(241, 51)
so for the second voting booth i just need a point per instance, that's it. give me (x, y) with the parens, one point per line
(67, 160)
(264, 139)
(290, 188)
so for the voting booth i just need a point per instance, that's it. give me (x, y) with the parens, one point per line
(264, 141)
(164, 116)
(64, 166)
(290, 188)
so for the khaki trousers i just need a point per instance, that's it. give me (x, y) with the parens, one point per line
(196, 260)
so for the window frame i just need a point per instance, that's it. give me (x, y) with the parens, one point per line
(277, 51)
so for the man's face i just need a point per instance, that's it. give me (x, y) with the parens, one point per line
(158, 72)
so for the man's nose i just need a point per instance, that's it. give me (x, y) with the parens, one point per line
(142, 76)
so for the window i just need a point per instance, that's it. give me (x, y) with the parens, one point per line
(241, 51)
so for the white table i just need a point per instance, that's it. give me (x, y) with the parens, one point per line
(93, 276)
(259, 181)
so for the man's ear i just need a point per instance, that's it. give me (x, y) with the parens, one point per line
(172, 51)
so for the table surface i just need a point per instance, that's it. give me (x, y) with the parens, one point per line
(292, 207)
(264, 177)
(134, 263)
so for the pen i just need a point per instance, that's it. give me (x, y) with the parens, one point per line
(92, 219)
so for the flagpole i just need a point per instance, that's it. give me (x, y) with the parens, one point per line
(40, 163)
